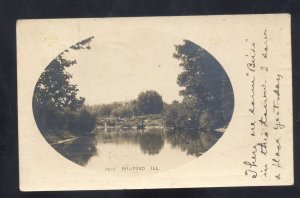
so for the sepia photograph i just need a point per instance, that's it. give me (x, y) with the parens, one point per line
(100, 103)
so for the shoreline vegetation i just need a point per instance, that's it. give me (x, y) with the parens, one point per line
(202, 116)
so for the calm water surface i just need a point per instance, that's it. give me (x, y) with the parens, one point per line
(112, 150)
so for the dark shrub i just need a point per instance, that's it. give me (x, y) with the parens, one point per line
(81, 123)
(182, 116)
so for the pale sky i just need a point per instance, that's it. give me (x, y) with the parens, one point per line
(119, 66)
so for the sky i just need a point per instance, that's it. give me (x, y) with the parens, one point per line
(120, 66)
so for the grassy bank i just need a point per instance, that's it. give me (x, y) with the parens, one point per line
(59, 137)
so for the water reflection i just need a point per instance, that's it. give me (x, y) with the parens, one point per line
(79, 150)
(150, 142)
(192, 144)
(118, 137)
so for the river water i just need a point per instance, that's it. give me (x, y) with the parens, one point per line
(135, 150)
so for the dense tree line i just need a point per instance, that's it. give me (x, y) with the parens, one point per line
(148, 102)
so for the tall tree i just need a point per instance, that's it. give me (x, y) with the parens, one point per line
(204, 78)
(54, 89)
(54, 96)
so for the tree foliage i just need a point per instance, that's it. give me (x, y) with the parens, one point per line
(55, 99)
(149, 102)
(204, 79)
(81, 121)
(123, 112)
(54, 89)
(182, 116)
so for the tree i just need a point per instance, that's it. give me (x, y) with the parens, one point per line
(54, 88)
(149, 102)
(204, 78)
(105, 110)
(182, 116)
(171, 114)
(82, 122)
(134, 107)
(54, 95)
(124, 111)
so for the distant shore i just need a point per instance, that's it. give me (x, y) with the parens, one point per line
(147, 121)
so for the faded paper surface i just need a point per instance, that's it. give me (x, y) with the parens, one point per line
(255, 52)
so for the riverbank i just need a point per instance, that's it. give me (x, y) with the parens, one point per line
(59, 138)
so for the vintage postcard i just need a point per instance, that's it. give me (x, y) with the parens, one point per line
(155, 102)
